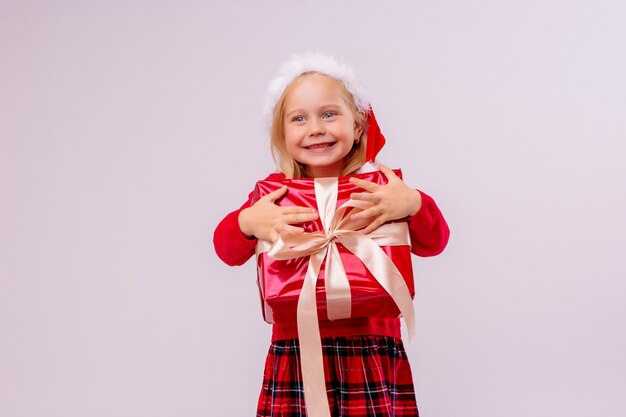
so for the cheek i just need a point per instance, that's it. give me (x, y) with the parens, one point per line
(290, 144)
(292, 135)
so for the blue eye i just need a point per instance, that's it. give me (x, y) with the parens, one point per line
(328, 114)
(298, 119)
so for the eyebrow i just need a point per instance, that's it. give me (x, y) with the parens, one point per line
(324, 107)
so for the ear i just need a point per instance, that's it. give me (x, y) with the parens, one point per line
(360, 127)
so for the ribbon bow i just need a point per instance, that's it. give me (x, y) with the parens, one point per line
(323, 245)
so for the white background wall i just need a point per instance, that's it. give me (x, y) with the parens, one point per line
(130, 128)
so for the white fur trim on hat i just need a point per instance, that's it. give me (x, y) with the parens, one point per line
(316, 62)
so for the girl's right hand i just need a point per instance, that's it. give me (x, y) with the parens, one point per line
(265, 220)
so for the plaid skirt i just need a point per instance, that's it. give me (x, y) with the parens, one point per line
(366, 376)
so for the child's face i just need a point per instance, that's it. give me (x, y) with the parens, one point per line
(319, 127)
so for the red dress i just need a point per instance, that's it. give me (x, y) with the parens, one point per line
(366, 367)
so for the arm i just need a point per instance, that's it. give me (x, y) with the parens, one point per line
(428, 229)
(236, 236)
(231, 245)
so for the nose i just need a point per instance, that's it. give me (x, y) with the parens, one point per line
(316, 127)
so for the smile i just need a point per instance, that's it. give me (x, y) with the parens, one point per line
(324, 145)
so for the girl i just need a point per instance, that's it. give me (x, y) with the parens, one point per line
(322, 126)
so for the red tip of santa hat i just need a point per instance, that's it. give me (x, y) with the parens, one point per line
(326, 64)
(375, 138)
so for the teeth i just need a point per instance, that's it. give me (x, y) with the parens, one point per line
(319, 145)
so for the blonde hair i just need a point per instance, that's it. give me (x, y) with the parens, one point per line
(355, 159)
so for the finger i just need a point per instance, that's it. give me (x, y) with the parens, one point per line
(299, 218)
(374, 225)
(374, 198)
(370, 212)
(276, 194)
(366, 185)
(388, 172)
(297, 210)
(290, 231)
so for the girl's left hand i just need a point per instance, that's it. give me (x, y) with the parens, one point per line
(394, 200)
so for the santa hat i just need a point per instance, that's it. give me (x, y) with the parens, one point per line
(327, 65)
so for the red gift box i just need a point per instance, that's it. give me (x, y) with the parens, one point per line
(280, 281)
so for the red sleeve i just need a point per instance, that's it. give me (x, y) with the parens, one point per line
(428, 229)
(230, 244)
